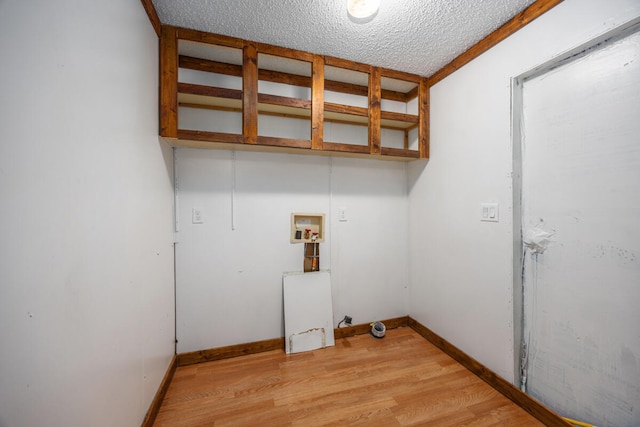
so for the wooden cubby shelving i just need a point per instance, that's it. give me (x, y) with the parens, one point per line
(223, 92)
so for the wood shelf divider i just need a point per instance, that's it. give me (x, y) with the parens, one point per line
(250, 92)
(250, 104)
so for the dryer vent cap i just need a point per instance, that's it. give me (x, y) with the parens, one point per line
(378, 329)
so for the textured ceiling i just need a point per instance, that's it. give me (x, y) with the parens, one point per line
(416, 36)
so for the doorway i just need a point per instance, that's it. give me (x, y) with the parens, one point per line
(576, 128)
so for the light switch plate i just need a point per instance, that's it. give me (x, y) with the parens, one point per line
(490, 212)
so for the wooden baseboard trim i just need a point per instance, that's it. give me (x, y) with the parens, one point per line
(526, 402)
(229, 351)
(152, 413)
(365, 328)
(209, 355)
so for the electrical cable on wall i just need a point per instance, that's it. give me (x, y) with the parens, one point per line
(333, 244)
(346, 320)
(233, 190)
(175, 195)
(524, 356)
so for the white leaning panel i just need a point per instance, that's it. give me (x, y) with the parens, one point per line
(308, 312)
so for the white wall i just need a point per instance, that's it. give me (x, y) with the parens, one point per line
(229, 268)
(86, 265)
(460, 268)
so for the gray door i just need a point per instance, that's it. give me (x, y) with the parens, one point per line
(579, 135)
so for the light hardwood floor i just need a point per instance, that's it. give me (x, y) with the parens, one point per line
(399, 380)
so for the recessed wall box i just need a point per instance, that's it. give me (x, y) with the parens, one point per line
(307, 228)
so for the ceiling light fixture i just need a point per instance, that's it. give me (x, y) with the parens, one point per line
(362, 9)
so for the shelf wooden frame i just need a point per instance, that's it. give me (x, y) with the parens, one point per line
(250, 104)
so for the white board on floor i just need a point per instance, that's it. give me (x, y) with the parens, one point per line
(308, 312)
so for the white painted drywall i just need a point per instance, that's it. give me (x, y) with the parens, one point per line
(370, 255)
(460, 268)
(86, 259)
(229, 268)
(581, 185)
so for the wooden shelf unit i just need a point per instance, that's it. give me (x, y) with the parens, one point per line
(223, 92)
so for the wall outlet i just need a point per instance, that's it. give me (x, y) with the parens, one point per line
(346, 321)
(197, 216)
(342, 214)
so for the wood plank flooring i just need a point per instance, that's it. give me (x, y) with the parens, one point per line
(399, 380)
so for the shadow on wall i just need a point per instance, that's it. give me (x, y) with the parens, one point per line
(281, 173)
(167, 156)
(415, 170)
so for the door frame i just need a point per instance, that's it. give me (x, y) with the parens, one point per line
(517, 104)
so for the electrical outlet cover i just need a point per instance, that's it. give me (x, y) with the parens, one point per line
(197, 216)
